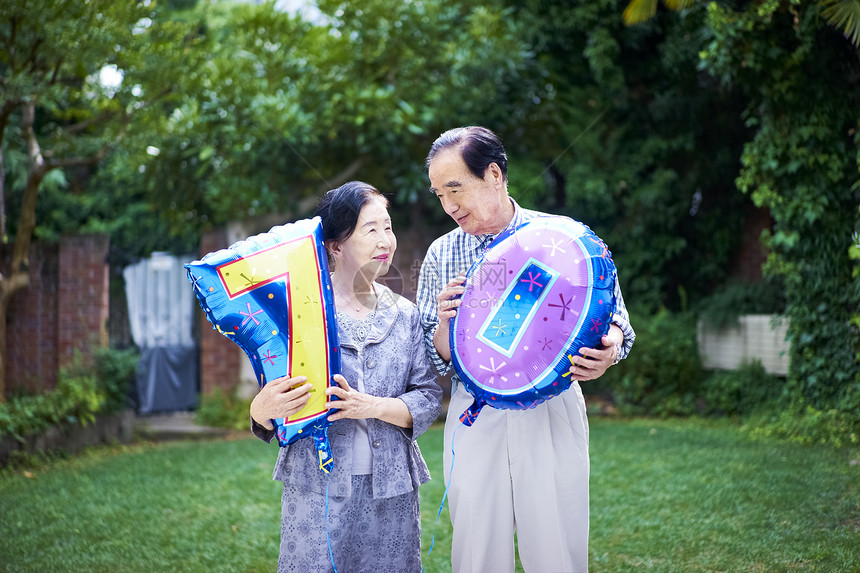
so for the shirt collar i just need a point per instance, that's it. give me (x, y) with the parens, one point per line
(485, 240)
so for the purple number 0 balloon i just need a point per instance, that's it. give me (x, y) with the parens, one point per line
(539, 293)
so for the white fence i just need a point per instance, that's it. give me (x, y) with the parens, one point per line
(756, 337)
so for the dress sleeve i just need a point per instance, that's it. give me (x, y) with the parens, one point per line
(261, 432)
(423, 394)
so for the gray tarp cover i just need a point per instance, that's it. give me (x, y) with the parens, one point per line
(161, 310)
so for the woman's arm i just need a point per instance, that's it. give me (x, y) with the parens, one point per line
(423, 394)
(356, 405)
(414, 410)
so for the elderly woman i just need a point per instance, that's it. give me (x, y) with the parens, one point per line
(386, 398)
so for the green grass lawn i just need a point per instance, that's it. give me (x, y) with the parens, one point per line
(665, 496)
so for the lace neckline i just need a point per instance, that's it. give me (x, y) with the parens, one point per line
(357, 328)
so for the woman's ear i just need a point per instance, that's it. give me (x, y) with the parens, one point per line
(332, 247)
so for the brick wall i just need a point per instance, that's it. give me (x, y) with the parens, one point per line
(220, 359)
(65, 307)
(31, 325)
(83, 295)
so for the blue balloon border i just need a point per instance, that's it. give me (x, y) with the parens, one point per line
(552, 381)
(286, 432)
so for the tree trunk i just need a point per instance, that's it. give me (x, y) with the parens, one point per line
(19, 272)
(4, 304)
(16, 281)
(2, 194)
(6, 110)
(559, 187)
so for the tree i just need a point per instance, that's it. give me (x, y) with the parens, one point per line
(291, 107)
(75, 78)
(637, 143)
(803, 163)
(842, 14)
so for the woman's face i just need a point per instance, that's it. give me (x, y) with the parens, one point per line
(370, 248)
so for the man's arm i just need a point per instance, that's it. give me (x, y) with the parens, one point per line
(592, 363)
(622, 320)
(429, 285)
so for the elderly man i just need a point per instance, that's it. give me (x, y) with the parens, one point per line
(513, 470)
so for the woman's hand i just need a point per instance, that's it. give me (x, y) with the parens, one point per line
(356, 405)
(446, 309)
(351, 403)
(280, 398)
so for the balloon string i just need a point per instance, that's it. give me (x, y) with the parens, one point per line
(444, 495)
(325, 518)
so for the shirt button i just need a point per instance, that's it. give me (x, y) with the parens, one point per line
(376, 443)
(371, 363)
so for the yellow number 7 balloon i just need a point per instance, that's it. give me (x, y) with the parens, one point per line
(271, 294)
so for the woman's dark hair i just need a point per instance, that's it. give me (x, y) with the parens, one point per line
(478, 146)
(339, 209)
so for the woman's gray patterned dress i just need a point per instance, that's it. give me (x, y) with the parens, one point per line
(373, 521)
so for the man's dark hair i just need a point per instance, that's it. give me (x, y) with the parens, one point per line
(478, 147)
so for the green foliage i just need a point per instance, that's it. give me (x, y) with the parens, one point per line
(99, 74)
(83, 391)
(639, 11)
(638, 145)
(56, 54)
(220, 409)
(734, 299)
(804, 424)
(663, 377)
(663, 371)
(802, 164)
(741, 392)
(844, 14)
(115, 370)
(288, 108)
(76, 399)
(644, 133)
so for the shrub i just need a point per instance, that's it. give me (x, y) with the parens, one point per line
(663, 371)
(728, 303)
(800, 422)
(115, 370)
(741, 392)
(220, 409)
(83, 391)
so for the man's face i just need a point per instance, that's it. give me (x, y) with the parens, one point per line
(479, 206)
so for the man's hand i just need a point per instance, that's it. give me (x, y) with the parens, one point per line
(592, 363)
(446, 309)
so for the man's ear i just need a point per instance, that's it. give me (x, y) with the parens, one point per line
(495, 173)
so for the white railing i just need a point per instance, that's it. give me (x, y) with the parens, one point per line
(755, 337)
